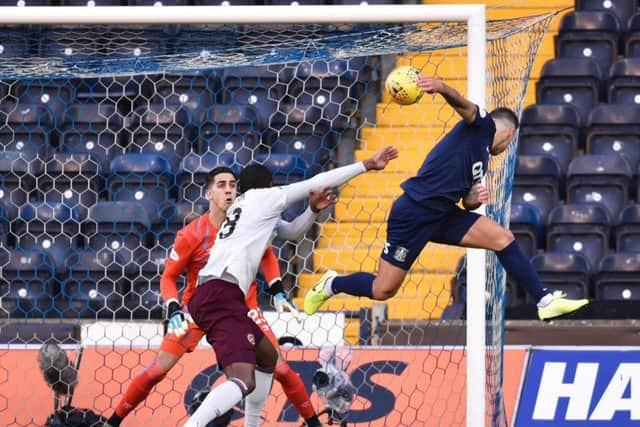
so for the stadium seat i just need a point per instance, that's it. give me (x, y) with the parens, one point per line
(624, 84)
(116, 90)
(627, 233)
(192, 175)
(632, 41)
(27, 285)
(52, 227)
(17, 180)
(22, 3)
(536, 182)
(566, 272)
(589, 34)
(601, 179)
(574, 81)
(146, 179)
(118, 226)
(526, 226)
(157, 2)
(228, 120)
(161, 129)
(145, 299)
(95, 284)
(615, 129)
(14, 44)
(581, 228)
(618, 277)
(70, 44)
(236, 149)
(173, 217)
(25, 128)
(4, 225)
(53, 95)
(72, 178)
(317, 149)
(622, 9)
(299, 118)
(92, 129)
(552, 130)
(92, 2)
(195, 91)
(260, 87)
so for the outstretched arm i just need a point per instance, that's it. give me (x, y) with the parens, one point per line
(462, 105)
(297, 228)
(299, 190)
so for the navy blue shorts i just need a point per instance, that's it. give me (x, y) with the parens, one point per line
(411, 225)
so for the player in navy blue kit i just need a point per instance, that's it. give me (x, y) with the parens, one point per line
(428, 212)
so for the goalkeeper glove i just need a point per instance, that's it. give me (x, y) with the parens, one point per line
(280, 301)
(178, 320)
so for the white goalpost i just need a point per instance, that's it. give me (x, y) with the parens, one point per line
(488, 82)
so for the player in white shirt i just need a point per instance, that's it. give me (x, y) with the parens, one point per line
(218, 304)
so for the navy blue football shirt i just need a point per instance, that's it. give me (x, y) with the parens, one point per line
(457, 162)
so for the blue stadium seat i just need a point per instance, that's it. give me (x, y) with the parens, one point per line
(589, 34)
(316, 149)
(552, 130)
(14, 43)
(526, 226)
(536, 182)
(17, 180)
(622, 9)
(632, 40)
(52, 227)
(53, 95)
(25, 128)
(229, 120)
(4, 225)
(118, 226)
(27, 285)
(573, 81)
(146, 179)
(161, 129)
(601, 179)
(628, 231)
(95, 284)
(173, 217)
(195, 91)
(581, 228)
(127, 42)
(232, 149)
(114, 90)
(157, 2)
(566, 272)
(299, 118)
(25, 3)
(615, 129)
(203, 41)
(192, 175)
(145, 299)
(624, 84)
(618, 277)
(72, 178)
(92, 2)
(92, 129)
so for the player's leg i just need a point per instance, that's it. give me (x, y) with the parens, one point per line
(476, 231)
(290, 381)
(409, 228)
(266, 360)
(171, 350)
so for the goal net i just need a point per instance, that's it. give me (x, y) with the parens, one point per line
(107, 133)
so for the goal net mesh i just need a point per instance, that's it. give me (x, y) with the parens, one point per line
(107, 134)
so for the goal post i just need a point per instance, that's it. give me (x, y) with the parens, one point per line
(472, 20)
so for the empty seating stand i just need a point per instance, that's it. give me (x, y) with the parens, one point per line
(618, 277)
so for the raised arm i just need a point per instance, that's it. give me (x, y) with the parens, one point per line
(462, 105)
(176, 264)
(299, 190)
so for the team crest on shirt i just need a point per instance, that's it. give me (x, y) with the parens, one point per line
(174, 254)
(251, 339)
(400, 254)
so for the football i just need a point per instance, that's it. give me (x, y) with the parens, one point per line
(401, 84)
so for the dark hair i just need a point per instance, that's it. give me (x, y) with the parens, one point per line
(253, 176)
(507, 114)
(211, 176)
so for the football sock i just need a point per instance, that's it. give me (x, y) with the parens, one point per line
(218, 401)
(518, 267)
(356, 284)
(254, 403)
(294, 389)
(138, 390)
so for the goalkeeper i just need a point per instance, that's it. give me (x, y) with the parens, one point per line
(428, 212)
(189, 253)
